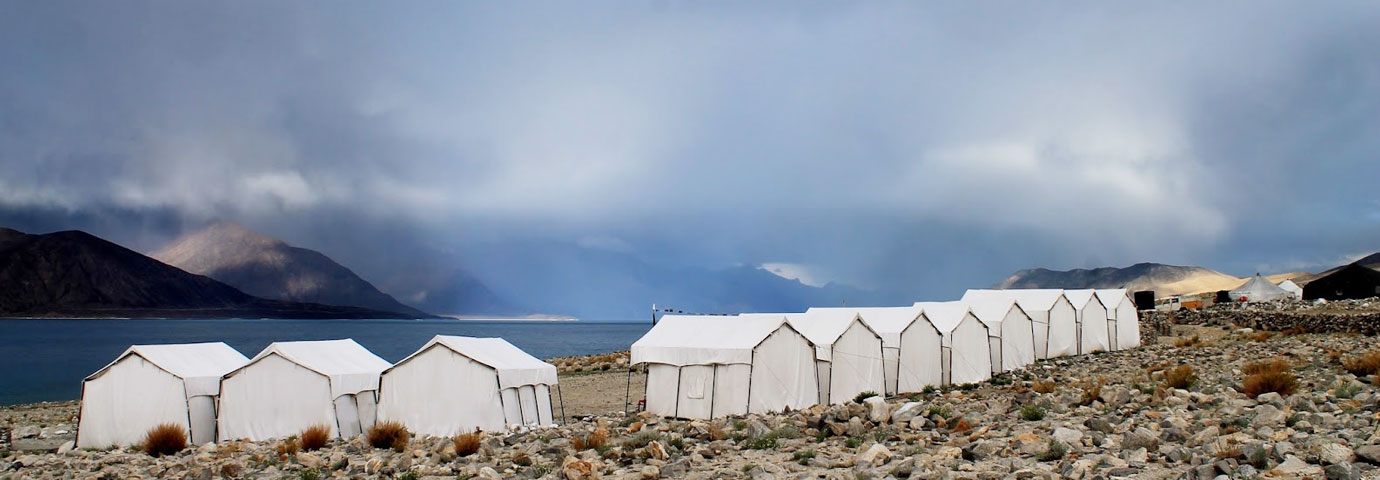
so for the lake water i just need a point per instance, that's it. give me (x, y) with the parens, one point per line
(46, 360)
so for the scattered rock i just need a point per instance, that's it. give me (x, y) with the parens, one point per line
(875, 455)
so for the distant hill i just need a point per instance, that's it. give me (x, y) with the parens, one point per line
(266, 267)
(1163, 279)
(76, 274)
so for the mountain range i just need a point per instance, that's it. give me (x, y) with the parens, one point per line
(270, 268)
(1163, 279)
(76, 274)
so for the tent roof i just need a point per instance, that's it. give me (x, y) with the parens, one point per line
(888, 322)
(1080, 298)
(1030, 300)
(1257, 289)
(186, 360)
(515, 367)
(882, 320)
(823, 327)
(705, 339)
(1112, 297)
(991, 311)
(1290, 286)
(328, 357)
(945, 316)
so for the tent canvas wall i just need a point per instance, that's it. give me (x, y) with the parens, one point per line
(1093, 333)
(1349, 282)
(457, 384)
(1258, 289)
(1291, 287)
(290, 386)
(911, 346)
(848, 353)
(1010, 335)
(149, 385)
(709, 366)
(967, 351)
(1122, 316)
(1052, 316)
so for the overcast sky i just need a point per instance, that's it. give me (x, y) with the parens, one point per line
(925, 145)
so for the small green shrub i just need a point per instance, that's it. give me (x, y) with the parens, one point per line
(1346, 390)
(763, 442)
(853, 442)
(1055, 451)
(803, 457)
(1032, 412)
(641, 439)
(864, 396)
(943, 411)
(309, 474)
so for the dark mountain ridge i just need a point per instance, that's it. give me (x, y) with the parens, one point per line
(76, 274)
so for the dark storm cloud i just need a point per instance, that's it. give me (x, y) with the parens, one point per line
(924, 147)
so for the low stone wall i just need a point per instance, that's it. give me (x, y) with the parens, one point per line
(1367, 323)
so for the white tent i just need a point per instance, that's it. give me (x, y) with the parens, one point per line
(967, 353)
(848, 353)
(911, 346)
(1122, 318)
(1258, 289)
(149, 385)
(1010, 334)
(457, 384)
(1052, 316)
(291, 386)
(1093, 332)
(708, 366)
(1291, 287)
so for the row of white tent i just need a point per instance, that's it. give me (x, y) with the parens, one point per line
(450, 385)
(702, 366)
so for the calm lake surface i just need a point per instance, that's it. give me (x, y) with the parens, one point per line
(46, 360)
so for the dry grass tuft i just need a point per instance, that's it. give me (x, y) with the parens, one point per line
(1278, 364)
(165, 439)
(315, 437)
(1188, 342)
(287, 447)
(1092, 389)
(1281, 382)
(1044, 386)
(388, 435)
(1294, 330)
(1180, 377)
(1363, 365)
(962, 426)
(1264, 336)
(717, 432)
(595, 440)
(467, 443)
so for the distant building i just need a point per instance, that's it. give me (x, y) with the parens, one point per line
(1351, 281)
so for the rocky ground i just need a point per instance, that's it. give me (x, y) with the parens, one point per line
(1108, 415)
